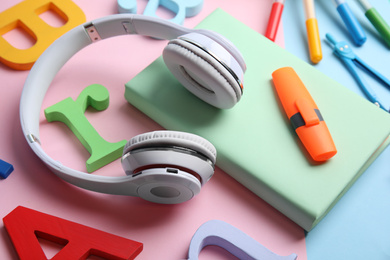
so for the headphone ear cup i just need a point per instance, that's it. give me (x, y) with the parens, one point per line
(204, 75)
(170, 150)
(161, 186)
(225, 43)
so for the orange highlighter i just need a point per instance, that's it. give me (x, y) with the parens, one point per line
(303, 114)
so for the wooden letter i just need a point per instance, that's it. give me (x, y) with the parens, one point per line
(25, 225)
(71, 113)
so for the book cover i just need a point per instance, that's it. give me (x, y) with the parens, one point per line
(255, 142)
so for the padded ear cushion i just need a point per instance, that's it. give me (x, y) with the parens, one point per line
(228, 45)
(202, 74)
(172, 138)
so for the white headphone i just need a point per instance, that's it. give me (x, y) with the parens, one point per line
(163, 166)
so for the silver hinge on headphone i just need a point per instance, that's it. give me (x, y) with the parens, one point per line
(32, 139)
(92, 32)
(129, 28)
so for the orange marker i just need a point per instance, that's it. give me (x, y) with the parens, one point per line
(304, 114)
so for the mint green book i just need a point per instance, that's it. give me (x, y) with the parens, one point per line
(255, 142)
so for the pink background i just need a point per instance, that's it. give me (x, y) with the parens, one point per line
(165, 230)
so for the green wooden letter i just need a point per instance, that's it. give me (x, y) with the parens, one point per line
(71, 113)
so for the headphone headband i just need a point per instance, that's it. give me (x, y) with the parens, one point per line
(52, 60)
(153, 183)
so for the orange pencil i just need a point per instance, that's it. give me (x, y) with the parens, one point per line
(304, 114)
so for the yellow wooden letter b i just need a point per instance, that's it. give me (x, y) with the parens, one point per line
(26, 16)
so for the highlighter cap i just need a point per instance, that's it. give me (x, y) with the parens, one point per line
(304, 114)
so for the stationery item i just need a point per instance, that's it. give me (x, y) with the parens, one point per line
(163, 166)
(348, 57)
(5, 169)
(25, 16)
(181, 8)
(274, 19)
(376, 20)
(354, 28)
(226, 236)
(313, 33)
(25, 225)
(365, 199)
(303, 114)
(255, 144)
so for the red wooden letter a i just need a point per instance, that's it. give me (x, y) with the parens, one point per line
(25, 225)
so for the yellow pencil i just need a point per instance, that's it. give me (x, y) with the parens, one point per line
(313, 34)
